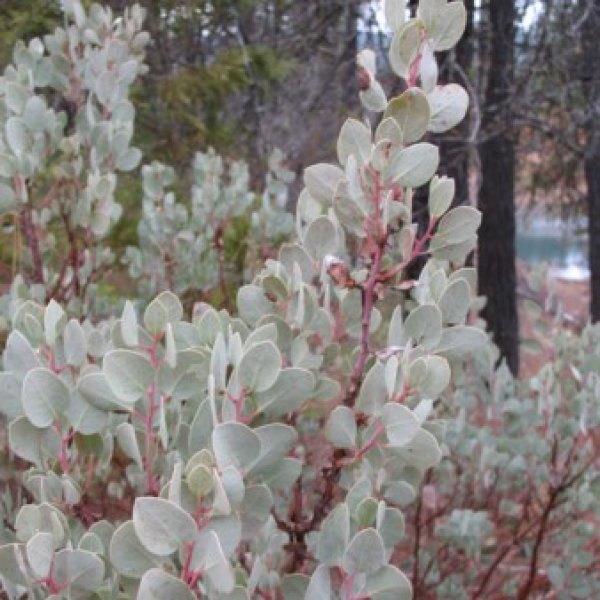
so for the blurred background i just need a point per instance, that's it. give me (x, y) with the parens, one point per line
(246, 76)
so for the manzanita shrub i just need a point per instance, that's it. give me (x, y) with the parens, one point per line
(67, 126)
(512, 511)
(265, 452)
(197, 250)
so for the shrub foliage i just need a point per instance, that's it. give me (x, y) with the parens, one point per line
(268, 449)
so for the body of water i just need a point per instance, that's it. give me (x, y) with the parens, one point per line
(561, 245)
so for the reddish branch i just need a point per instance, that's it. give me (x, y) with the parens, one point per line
(31, 237)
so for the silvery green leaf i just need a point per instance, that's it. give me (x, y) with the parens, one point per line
(457, 225)
(291, 254)
(395, 13)
(365, 553)
(165, 308)
(235, 444)
(461, 340)
(129, 160)
(157, 584)
(365, 513)
(255, 510)
(411, 112)
(10, 405)
(390, 524)
(253, 304)
(321, 181)
(92, 543)
(19, 356)
(127, 554)
(17, 135)
(128, 373)
(45, 397)
(263, 333)
(75, 344)
(400, 493)
(174, 487)
(31, 443)
(319, 587)
(350, 214)
(233, 484)
(423, 326)
(373, 392)
(367, 59)
(33, 518)
(200, 481)
(84, 417)
(389, 583)
(326, 389)
(320, 238)
(95, 389)
(282, 476)
(162, 526)
(423, 451)
(430, 375)
(216, 566)
(445, 27)
(293, 387)
(388, 130)
(395, 327)
(128, 443)
(227, 529)
(401, 425)
(334, 536)
(209, 326)
(340, 429)
(455, 302)
(80, 571)
(13, 564)
(16, 96)
(373, 98)
(201, 428)
(354, 140)
(35, 114)
(429, 68)
(129, 325)
(259, 367)
(449, 105)
(276, 440)
(7, 198)
(429, 10)
(104, 531)
(170, 349)
(441, 194)
(405, 46)
(54, 321)
(413, 166)
(40, 553)
(294, 586)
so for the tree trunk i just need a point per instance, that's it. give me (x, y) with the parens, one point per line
(496, 258)
(591, 89)
(455, 148)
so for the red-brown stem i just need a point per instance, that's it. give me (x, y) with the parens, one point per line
(33, 242)
(149, 423)
(368, 294)
(63, 459)
(379, 430)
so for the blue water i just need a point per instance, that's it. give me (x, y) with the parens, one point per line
(562, 246)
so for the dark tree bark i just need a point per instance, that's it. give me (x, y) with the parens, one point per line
(455, 148)
(591, 88)
(496, 258)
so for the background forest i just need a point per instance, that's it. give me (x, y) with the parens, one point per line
(459, 460)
